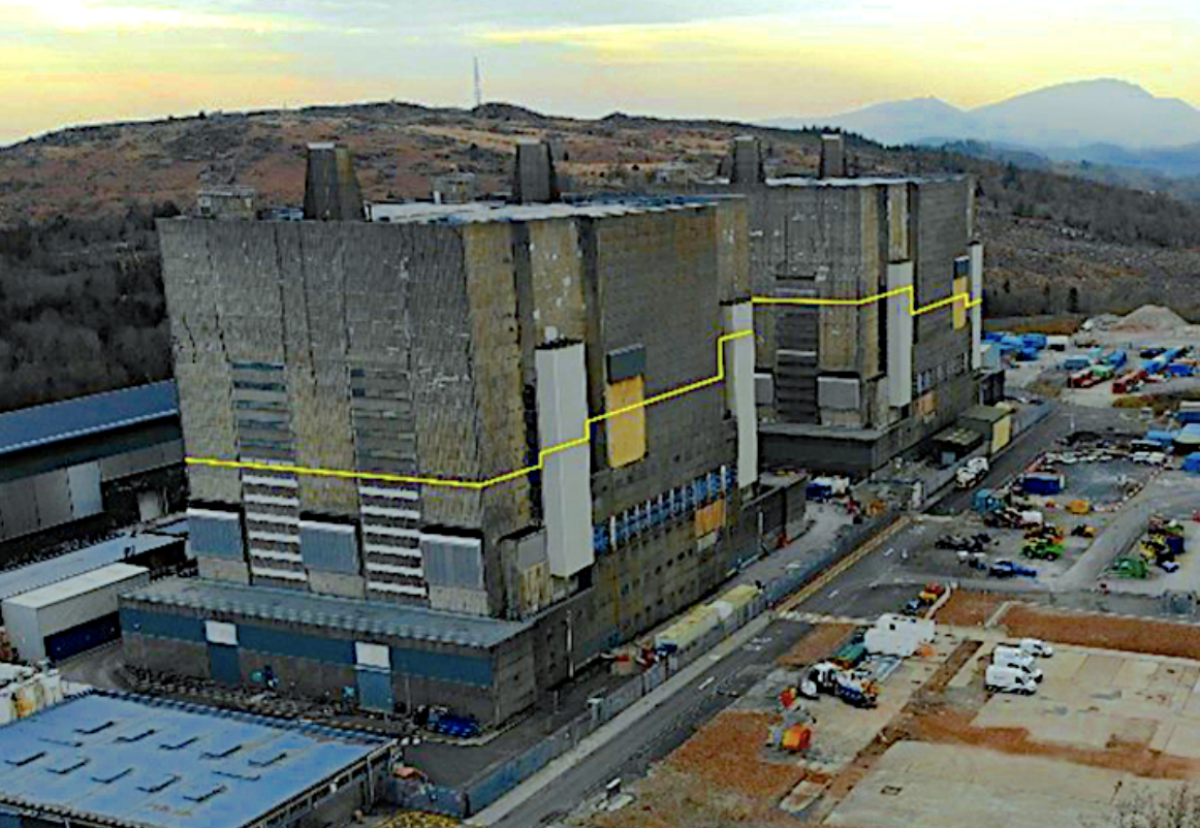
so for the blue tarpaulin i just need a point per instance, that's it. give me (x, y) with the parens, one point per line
(1191, 463)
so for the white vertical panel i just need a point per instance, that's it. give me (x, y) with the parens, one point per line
(566, 478)
(900, 334)
(84, 482)
(977, 311)
(739, 389)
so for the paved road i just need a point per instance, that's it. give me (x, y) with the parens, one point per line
(661, 731)
(1027, 446)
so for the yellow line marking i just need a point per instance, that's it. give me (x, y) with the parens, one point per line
(908, 290)
(476, 485)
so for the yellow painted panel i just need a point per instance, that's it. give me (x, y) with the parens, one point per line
(627, 431)
(710, 518)
(961, 287)
(926, 405)
(1001, 434)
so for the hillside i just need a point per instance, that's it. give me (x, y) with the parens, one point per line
(80, 297)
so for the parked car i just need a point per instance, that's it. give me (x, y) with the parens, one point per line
(1011, 569)
(913, 607)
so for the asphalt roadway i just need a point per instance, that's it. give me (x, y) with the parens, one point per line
(1063, 420)
(669, 725)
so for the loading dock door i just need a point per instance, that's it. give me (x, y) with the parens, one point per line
(224, 665)
(375, 689)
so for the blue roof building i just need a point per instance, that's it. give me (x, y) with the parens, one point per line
(95, 414)
(89, 458)
(105, 759)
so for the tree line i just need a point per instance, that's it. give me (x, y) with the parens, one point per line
(81, 307)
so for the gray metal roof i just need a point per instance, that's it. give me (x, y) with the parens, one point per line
(115, 759)
(36, 575)
(487, 211)
(353, 615)
(865, 181)
(45, 424)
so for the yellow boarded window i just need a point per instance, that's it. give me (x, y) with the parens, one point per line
(710, 518)
(626, 431)
(960, 303)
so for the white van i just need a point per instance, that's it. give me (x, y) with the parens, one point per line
(1008, 680)
(1035, 647)
(1018, 660)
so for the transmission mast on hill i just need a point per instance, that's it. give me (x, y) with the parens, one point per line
(478, 85)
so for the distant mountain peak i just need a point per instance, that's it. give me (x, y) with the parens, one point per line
(1066, 115)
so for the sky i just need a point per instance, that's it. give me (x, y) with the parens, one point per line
(66, 62)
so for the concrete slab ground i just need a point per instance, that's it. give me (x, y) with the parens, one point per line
(1097, 698)
(936, 786)
(843, 731)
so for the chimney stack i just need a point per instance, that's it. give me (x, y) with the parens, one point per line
(747, 166)
(534, 180)
(331, 188)
(833, 156)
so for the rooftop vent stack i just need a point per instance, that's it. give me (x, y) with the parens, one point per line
(454, 188)
(833, 156)
(747, 167)
(331, 188)
(535, 181)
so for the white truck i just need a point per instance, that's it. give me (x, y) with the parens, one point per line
(971, 472)
(1008, 680)
(1017, 659)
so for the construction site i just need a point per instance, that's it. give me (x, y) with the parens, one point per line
(1114, 714)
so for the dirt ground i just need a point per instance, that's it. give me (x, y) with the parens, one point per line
(1104, 631)
(970, 609)
(817, 645)
(719, 777)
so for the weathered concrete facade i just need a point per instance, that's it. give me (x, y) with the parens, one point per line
(847, 381)
(465, 343)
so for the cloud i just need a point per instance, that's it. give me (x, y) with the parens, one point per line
(107, 15)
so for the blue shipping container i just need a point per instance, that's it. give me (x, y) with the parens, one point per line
(1042, 484)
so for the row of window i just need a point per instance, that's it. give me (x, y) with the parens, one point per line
(925, 380)
(667, 508)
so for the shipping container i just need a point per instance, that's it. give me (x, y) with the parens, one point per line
(1076, 363)
(1043, 484)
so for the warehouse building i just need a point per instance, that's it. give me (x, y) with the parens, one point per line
(381, 654)
(863, 351)
(109, 760)
(152, 549)
(567, 388)
(70, 616)
(80, 467)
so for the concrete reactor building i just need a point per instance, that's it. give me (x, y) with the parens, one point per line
(450, 454)
(867, 345)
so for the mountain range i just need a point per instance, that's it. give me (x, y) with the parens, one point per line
(1105, 121)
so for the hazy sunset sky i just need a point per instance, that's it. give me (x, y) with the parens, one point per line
(78, 61)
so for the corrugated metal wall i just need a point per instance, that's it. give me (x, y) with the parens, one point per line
(49, 499)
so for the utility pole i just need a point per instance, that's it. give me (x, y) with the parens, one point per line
(478, 85)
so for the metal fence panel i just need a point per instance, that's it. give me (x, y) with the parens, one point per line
(415, 796)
